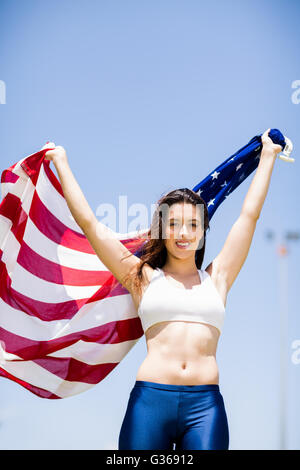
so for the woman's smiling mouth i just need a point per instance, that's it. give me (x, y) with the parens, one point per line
(182, 245)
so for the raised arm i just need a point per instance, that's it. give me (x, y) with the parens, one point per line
(103, 240)
(231, 258)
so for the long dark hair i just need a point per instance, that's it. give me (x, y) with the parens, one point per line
(154, 251)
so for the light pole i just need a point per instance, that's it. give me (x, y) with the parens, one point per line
(282, 251)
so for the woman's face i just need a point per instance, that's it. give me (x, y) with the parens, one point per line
(184, 223)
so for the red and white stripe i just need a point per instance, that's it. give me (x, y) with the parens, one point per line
(65, 320)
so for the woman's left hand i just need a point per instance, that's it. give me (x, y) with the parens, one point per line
(268, 144)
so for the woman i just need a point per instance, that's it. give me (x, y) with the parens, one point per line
(176, 397)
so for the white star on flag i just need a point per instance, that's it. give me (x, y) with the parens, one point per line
(215, 175)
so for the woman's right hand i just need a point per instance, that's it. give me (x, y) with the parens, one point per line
(56, 154)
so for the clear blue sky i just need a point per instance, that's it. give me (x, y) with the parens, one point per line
(147, 96)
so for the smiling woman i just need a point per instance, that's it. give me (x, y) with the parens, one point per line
(180, 215)
(184, 226)
(176, 398)
(182, 315)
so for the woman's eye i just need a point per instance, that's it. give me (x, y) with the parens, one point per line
(175, 223)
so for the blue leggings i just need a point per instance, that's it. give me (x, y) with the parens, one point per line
(160, 415)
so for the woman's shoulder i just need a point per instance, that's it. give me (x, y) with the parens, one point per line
(218, 280)
(137, 294)
(148, 272)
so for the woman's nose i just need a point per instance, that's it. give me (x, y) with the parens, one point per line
(183, 230)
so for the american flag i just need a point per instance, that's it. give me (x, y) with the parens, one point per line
(65, 320)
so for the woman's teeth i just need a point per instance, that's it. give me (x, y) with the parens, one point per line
(182, 245)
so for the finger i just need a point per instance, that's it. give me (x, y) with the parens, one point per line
(49, 145)
(45, 147)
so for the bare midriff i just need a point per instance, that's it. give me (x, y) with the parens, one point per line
(180, 353)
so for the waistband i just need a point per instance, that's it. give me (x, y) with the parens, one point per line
(178, 388)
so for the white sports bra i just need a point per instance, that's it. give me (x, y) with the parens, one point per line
(163, 301)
